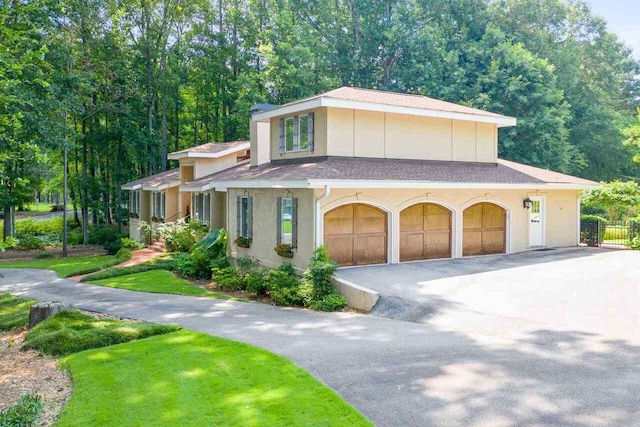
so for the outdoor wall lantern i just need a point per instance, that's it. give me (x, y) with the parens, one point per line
(526, 203)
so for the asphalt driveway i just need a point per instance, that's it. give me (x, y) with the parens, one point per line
(401, 373)
(586, 289)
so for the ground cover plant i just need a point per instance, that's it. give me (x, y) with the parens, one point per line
(156, 281)
(24, 413)
(241, 385)
(67, 267)
(71, 331)
(14, 311)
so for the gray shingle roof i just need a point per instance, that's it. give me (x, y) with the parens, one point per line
(167, 178)
(353, 168)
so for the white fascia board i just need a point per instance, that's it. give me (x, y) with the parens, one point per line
(261, 183)
(445, 185)
(131, 187)
(161, 187)
(189, 154)
(500, 121)
(196, 188)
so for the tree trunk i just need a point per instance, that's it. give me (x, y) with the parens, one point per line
(43, 310)
(7, 221)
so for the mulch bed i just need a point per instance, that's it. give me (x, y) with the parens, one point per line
(23, 372)
(81, 250)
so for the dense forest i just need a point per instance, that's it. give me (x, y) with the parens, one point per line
(122, 82)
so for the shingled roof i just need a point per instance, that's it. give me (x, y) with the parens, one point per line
(391, 170)
(370, 99)
(159, 181)
(210, 149)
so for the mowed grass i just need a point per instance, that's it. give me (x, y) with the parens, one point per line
(14, 311)
(66, 267)
(156, 281)
(72, 331)
(193, 379)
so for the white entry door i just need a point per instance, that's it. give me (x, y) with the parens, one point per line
(536, 221)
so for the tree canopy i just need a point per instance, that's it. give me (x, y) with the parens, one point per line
(123, 82)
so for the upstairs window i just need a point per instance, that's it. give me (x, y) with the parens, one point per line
(296, 133)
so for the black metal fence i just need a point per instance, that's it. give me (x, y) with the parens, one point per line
(618, 234)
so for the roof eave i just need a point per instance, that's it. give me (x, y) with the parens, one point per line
(339, 183)
(190, 154)
(323, 101)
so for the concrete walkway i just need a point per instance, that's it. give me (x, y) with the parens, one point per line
(401, 373)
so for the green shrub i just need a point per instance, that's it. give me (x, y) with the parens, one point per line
(71, 331)
(287, 296)
(75, 237)
(44, 255)
(227, 279)
(24, 413)
(635, 243)
(123, 254)
(245, 264)
(27, 242)
(330, 302)
(184, 264)
(287, 268)
(254, 282)
(131, 243)
(103, 234)
(39, 227)
(320, 273)
(181, 236)
(9, 243)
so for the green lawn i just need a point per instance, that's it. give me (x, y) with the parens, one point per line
(192, 379)
(14, 311)
(156, 281)
(66, 267)
(38, 208)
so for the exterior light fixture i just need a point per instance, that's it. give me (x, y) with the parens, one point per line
(526, 203)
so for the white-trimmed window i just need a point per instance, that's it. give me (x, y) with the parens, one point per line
(201, 207)
(296, 133)
(158, 199)
(287, 221)
(134, 203)
(244, 217)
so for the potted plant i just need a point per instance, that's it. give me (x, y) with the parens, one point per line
(242, 242)
(284, 250)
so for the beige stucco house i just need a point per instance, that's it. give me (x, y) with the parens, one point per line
(376, 177)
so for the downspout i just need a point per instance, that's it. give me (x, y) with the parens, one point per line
(327, 192)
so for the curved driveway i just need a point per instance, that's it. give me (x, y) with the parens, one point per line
(408, 374)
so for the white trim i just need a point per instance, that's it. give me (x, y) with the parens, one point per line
(131, 187)
(325, 101)
(161, 187)
(485, 199)
(578, 219)
(365, 200)
(357, 183)
(543, 216)
(190, 154)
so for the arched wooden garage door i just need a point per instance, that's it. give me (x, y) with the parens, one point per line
(356, 234)
(425, 232)
(485, 230)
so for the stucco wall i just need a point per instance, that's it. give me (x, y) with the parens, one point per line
(561, 212)
(204, 167)
(357, 133)
(218, 209)
(265, 226)
(171, 204)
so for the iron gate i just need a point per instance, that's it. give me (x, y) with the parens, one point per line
(615, 234)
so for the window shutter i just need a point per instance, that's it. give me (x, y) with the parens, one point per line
(131, 206)
(238, 217)
(279, 220)
(294, 222)
(282, 136)
(250, 217)
(296, 134)
(310, 131)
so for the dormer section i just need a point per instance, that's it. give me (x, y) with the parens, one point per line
(351, 122)
(206, 159)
